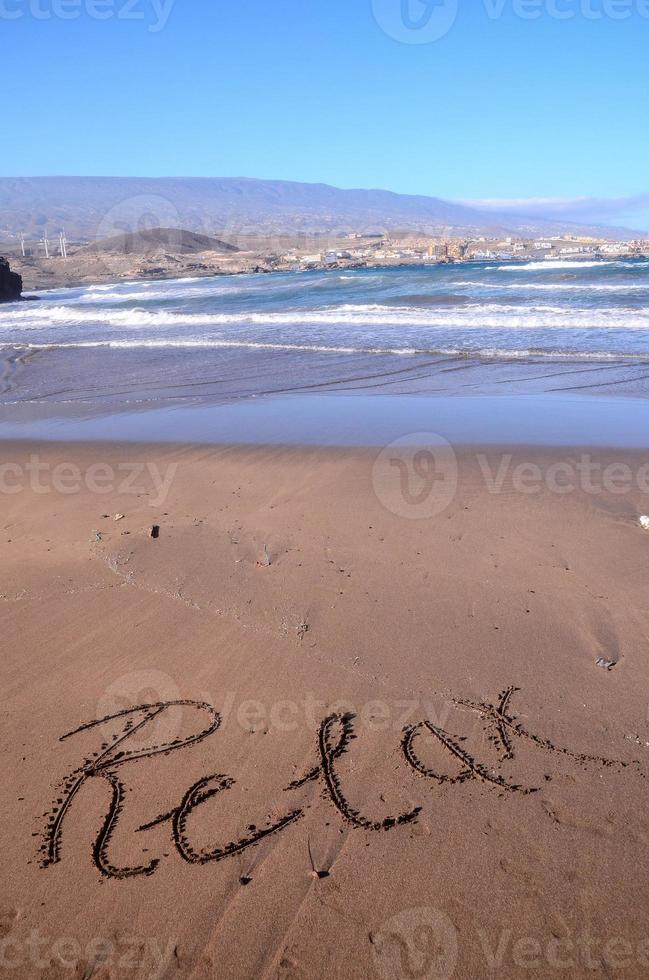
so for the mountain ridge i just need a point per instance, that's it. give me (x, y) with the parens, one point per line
(101, 207)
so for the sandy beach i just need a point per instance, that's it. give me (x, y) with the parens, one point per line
(341, 716)
(324, 491)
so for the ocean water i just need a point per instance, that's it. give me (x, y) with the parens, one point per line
(555, 308)
(255, 334)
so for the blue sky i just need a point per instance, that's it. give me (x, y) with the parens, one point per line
(502, 106)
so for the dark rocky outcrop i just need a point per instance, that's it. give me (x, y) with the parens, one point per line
(11, 284)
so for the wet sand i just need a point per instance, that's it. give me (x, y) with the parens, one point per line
(118, 378)
(377, 741)
(343, 420)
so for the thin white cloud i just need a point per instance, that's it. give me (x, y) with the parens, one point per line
(593, 209)
(516, 203)
(597, 210)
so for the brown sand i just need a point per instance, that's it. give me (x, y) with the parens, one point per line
(517, 848)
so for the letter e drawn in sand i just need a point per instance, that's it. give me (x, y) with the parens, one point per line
(200, 792)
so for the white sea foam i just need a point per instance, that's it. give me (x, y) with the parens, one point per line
(503, 316)
(134, 296)
(547, 266)
(467, 351)
(552, 287)
(550, 264)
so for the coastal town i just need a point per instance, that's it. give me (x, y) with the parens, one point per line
(409, 250)
(170, 253)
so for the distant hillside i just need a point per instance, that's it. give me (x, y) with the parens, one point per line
(101, 207)
(174, 240)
